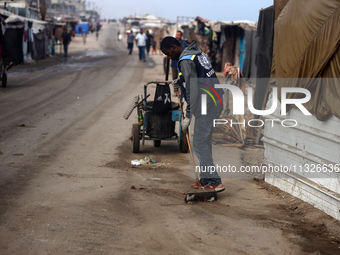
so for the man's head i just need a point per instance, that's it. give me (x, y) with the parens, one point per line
(171, 47)
(179, 35)
(141, 30)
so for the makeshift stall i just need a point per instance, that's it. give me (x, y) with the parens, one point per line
(22, 40)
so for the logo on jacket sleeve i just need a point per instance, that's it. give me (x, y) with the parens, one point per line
(204, 61)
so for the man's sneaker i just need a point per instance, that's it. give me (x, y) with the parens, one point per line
(218, 187)
(197, 185)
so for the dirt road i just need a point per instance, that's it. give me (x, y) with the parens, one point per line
(67, 185)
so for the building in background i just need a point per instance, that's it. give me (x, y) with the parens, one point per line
(32, 28)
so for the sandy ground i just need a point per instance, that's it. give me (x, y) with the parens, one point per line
(67, 185)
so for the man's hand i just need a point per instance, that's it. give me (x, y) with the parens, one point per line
(175, 84)
(185, 124)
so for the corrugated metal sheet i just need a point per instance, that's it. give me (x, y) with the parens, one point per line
(309, 151)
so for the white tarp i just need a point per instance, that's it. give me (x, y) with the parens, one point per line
(15, 5)
(12, 18)
(245, 24)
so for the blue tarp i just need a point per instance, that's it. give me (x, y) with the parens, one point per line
(242, 48)
(82, 26)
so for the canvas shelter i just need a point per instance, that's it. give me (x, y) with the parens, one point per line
(224, 41)
(24, 39)
(306, 45)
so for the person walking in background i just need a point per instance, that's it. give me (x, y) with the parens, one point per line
(141, 43)
(66, 37)
(160, 42)
(84, 35)
(97, 31)
(130, 39)
(164, 56)
(148, 41)
(154, 46)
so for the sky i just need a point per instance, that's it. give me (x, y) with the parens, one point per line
(227, 10)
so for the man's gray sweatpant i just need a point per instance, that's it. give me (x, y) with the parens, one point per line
(203, 131)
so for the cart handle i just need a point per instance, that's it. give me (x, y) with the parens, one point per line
(143, 101)
(157, 82)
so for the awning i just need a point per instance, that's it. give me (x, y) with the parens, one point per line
(245, 24)
(18, 5)
(15, 5)
(16, 18)
(216, 26)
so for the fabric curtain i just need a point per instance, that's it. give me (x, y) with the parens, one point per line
(306, 45)
(12, 46)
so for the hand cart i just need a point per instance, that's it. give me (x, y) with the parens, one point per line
(157, 127)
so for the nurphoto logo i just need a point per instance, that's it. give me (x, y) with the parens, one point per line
(204, 97)
(239, 100)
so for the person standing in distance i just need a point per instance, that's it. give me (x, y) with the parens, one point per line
(141, 43)
(130, 39)
(84, 35)
(66, 37)
(148, 41)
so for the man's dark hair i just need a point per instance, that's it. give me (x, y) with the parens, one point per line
(178, 31)
(168, 41)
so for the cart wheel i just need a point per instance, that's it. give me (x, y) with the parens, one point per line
(183, 143)
(135, 138)
(157, 143)
(4, 80)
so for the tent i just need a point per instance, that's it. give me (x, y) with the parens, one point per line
(306, 54)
